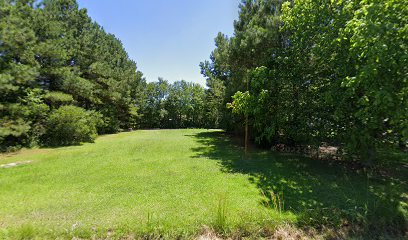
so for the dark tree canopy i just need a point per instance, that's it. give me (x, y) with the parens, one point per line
(306, 72)
(53, 55)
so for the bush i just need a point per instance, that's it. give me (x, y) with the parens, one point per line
(71, 125)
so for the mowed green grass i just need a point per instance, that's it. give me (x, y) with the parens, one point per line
(131, 182)
(174, 182)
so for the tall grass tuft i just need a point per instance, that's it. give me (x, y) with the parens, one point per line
(149, 222)
(26, 231)
(276, 201)
(221, 214)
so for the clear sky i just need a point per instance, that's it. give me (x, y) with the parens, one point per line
(167, 38)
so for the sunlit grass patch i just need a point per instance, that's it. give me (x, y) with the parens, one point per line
(175, 183)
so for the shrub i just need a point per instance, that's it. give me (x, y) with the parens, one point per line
(70, 125)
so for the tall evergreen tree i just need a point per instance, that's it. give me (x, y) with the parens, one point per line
(52, 54)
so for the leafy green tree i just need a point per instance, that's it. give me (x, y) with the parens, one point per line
(357, 99)
(332, 71)
(185, 105)
(256, 38)
(154, 112)
(378, 84)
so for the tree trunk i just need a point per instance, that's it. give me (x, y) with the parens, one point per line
(246, 134)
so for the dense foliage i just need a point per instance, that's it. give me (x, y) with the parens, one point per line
(306, 72)
(52, 55)
(297, 72)
(177, 105)
(70, 125)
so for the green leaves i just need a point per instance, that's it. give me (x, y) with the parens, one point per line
(324, 70)
(242, 103)
(53, 55)
(178, 105)
(70, 125)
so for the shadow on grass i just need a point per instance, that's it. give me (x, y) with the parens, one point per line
(319, 193)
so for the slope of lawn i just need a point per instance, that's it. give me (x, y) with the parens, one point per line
(175, 182)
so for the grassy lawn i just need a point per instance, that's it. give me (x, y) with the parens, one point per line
(174, 182)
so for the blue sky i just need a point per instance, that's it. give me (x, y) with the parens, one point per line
(166, 38)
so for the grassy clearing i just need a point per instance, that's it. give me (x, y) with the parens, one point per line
(174, 182)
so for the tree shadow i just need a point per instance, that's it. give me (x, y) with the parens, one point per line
(320, 193)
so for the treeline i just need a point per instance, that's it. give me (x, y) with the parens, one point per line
(177, 105)
(64, 80)
(305, 72)
(299, 72)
